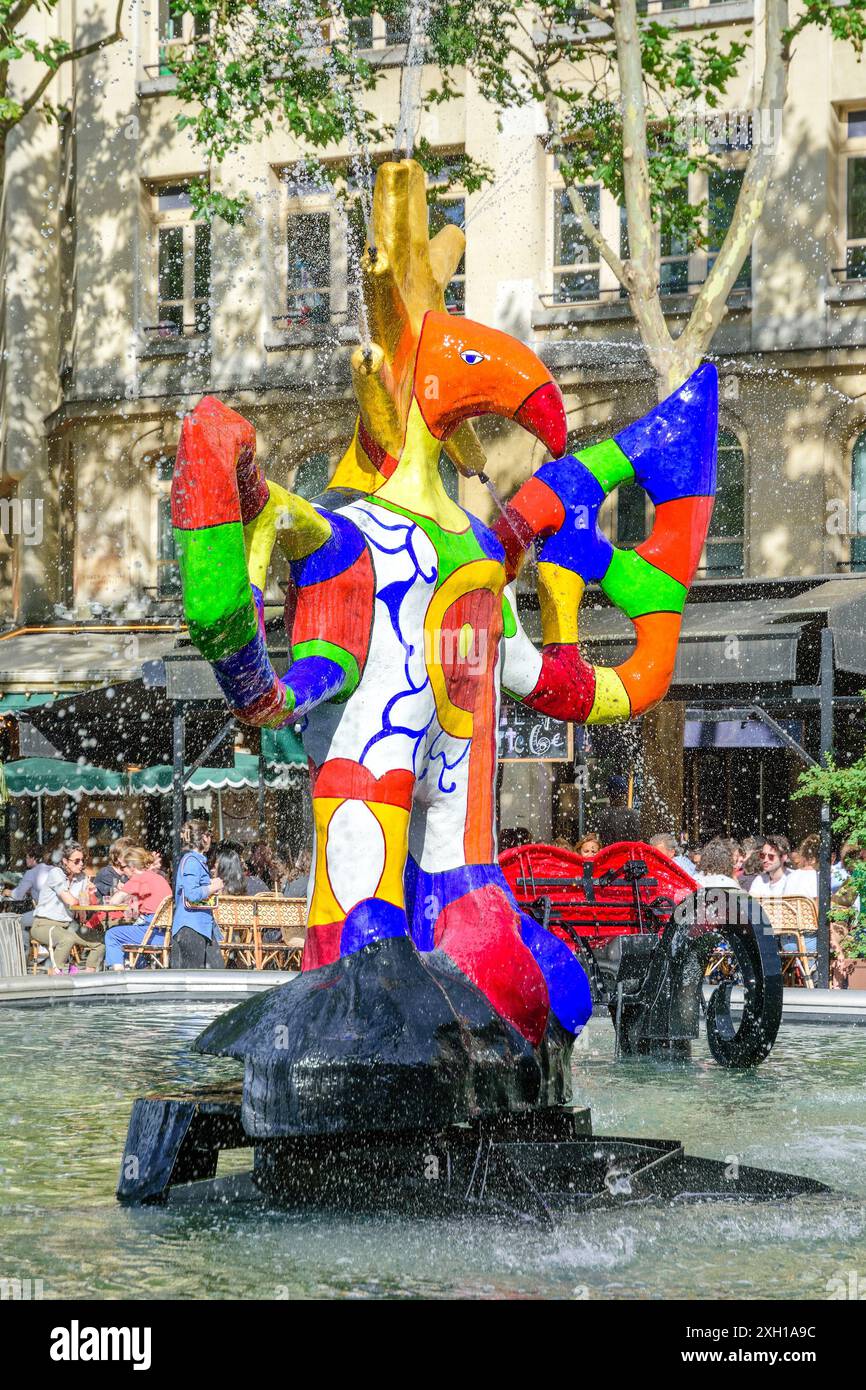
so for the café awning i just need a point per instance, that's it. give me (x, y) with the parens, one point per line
(157, 781)
(747, 640)
(55, 777)
(17, 702)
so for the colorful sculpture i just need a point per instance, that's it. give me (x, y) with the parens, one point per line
(404, 637)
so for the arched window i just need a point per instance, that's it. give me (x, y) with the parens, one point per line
(724, 550)
(858, 503)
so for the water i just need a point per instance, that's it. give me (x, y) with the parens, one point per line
(410, 78)
(70, 1075)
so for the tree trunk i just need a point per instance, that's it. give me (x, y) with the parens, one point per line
(662, 733)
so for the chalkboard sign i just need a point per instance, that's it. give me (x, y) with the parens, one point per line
(527, 736)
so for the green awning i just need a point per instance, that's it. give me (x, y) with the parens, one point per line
(282, 748)
(16, 703)
(156, 781)
(54, 777)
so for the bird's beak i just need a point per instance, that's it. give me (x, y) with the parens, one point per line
(464, 369)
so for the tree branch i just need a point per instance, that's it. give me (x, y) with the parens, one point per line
(579, 208)
(642, 282)
(72, 57)
(710, 305)
(12, 20)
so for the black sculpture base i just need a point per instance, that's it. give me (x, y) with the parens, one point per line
(536, 1164)
(385, 1039)
(387, 1080)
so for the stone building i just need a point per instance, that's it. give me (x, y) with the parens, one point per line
(121, 312)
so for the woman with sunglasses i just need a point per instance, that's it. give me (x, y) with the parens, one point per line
(53, 926)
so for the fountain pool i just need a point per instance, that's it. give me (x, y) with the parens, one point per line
(71, 1074)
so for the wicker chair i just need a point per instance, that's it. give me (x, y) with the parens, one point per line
(797, 917)
(148, 949)
(289, 915)
(237, 918)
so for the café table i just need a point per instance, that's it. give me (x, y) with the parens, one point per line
(116, 912)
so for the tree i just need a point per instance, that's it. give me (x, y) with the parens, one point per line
(21, 94)
(250, 69)
(845, 789)
(617, 90)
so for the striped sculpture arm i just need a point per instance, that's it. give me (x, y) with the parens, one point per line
(227, 518)
(671, 453)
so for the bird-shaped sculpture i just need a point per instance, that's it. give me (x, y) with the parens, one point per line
(426, 994)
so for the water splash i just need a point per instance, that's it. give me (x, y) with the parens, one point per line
(360, 164)
(410, 77)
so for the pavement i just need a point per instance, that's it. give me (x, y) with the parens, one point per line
(146, 986)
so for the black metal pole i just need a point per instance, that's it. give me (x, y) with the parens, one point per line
(580, 773)
(177, 797)
(824, 855)
(261, 797)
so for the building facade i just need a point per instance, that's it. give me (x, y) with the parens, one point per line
(121, 312)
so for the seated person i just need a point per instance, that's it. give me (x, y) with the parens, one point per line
(110, 876)
(589, 846)
(37, 868)
(297, 885)
(143, 890)
(717, 865)
(65, 886)
(225, 862)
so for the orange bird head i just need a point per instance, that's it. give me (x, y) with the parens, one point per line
(463, 369)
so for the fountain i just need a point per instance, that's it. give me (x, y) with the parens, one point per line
(433, 1023)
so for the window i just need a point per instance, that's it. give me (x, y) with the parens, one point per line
(312, 476)
(858, 508)
(361, 32)
(321, 242)
(182, 253)
(576, 266)
(448, 206)
(444, 211)
(854, 195)
(397, 25)
(308, 288)
(724, 548)
(167, 570)
(168, 583)
(176, 31)
(723, 190)
(674, 264)
(674, 255)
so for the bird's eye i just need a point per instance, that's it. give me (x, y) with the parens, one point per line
(471, 357)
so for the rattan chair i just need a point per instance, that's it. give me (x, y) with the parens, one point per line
(148, 949)
(797, 917)
(240, 943)
(289, 916)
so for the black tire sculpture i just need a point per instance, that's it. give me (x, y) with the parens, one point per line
(659, 987)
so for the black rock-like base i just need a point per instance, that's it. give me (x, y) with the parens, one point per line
(539, 1165)
(385, 1040)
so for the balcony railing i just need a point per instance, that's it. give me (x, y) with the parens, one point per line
(854, 273)
(610, 293)
(168, 328)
